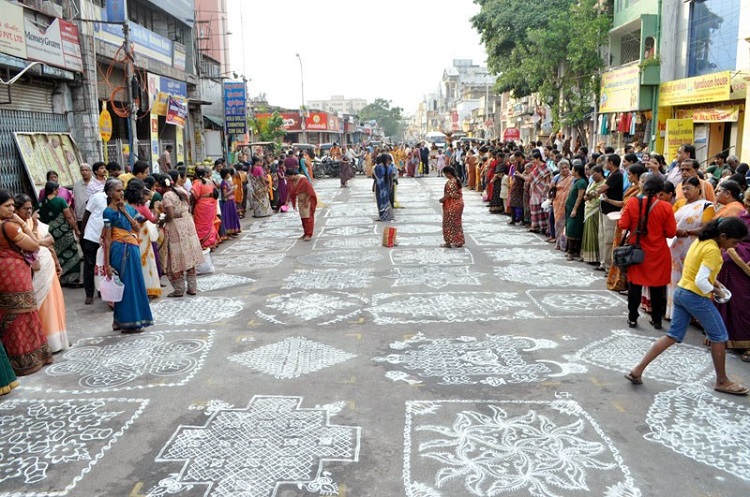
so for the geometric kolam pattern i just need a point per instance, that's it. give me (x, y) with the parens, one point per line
(311, 308)
(693, 422)
(622, 350)
(516, 447)
(434, 277)
(291, 358)
(157, 359)
(220, 281)
(579, 303)
(328, 279)
(447, 307)
(256, 450)
(195, 310)
(48, 446)
(547, 275)
(495, 360)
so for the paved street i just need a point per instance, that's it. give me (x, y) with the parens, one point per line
(339, 366)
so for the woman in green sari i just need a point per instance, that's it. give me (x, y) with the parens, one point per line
(55, 212)
(590, 244)
(574, 212)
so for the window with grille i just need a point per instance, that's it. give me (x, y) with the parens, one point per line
(630, 47)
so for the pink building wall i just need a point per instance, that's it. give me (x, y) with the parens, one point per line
(212, 27)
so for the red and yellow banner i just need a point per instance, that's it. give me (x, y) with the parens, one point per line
(713, 114)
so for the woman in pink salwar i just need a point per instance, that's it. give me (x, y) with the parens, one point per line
(204, 195)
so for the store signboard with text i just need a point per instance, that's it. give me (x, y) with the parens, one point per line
(317, 121)
(620, 89)
(56, 44)
(235, 107)
(679, 132)
(12, 39)
(147, 43)
(714, 87)
(160, 88)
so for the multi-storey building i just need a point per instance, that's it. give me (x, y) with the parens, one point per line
(337, 104)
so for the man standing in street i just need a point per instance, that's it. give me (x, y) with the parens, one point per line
(80, 193)
(424, 156)
(93, 223)
(165, 160)
(612, 189)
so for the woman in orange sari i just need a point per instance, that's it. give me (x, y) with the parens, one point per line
(617, 278)
(728, 195)
(453, 208)
(20, 329)
(204, 195)
(239, 180)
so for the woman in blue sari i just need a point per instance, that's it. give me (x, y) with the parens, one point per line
(122, 255)
(383, 186)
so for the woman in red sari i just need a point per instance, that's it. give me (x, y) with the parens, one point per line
(302, 194)
(453, 208)
(20, 329)
(204, 195)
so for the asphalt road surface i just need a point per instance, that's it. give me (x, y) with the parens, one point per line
(341, 367)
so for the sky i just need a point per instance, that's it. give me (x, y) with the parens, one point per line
(392, 49)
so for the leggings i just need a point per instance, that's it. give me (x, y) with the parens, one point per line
(658, 301)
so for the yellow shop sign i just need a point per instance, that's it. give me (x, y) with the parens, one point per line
(620, 88)
(714, 87)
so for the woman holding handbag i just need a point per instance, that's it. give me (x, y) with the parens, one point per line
(650, 222)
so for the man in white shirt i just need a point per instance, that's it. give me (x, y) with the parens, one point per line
(80, 193)
(93, 223)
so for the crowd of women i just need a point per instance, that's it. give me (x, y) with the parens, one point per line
(690, 221)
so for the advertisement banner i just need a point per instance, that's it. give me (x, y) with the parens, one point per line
(235, 107)
(72, 57)
(117, 10)
(44, 45)
(511, 134)
(679, 132)
(713, 114)
(42, 152)
(160, 88)
(317, 121)
(620, 90)
(179, 59)
(292, 121)
(177, 112)
(147, 43)
(12, 30)
(714, 87)
(154, 136)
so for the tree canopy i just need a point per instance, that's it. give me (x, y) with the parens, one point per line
(389, 118)
(549, 47)
(269, 129)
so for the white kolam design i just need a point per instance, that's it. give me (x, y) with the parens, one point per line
(195, 310)
(417, 229)
(247, 262)
(579, 303)
(256, 450)
(337, 222)
(419, 241)
(291, 358)
(149, 360)
(547, 275)
(694, 422)
(260, 245)
(311, 307)
(435, 277)
(328, 279)
(464, 307)
(431, 256)
(622, 350)
(48, 446)
(522, 255)
(493, 448)
(348, 231)
(510, 239)
(354, 243)
(339, 258)
(219, 281)
(494, 360)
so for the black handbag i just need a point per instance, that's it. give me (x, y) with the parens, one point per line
(629, 255)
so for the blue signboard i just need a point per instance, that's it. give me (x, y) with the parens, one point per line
(235, 107)
(146, 42)
(117, 10)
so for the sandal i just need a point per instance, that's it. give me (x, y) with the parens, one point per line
(635, 380)
(192, 293)
(175, 294)
(445, 245)
(115, 327)
(632, 324)
(745, 357)
(657, 326)
(732, 389)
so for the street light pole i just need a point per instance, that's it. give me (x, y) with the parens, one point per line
(302, 108)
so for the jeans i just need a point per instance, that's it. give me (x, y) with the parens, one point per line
(658, 301)
(89, 249)
(688, 304)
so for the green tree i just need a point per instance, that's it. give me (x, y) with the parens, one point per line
(268, 129)
(549, 47)
(389, 118)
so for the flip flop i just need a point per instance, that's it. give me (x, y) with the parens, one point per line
(733, 389)
(635, 380)
(745, 357)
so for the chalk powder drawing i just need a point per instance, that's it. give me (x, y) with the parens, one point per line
(431, 256)
(695, 423)
(579, 303)
(291, 358)
(335, 222)
(48, 446)
(447, 307)
(420, 218)
(305, 307)
(434, 277)
(259, 245)
(547, 275)
(256, 450)
(417, 229)
(248, 262)
(327, 279)
(339, 258)
(163, 359)
(496, 360)
(282, 231)
(419, 241)
(622, 350)
(346, 243)
(220, 281)
(522, 255)
(352, 210)
(492, 448)
(195, 310)
(483, 227)
(505, 239)
(349, 231)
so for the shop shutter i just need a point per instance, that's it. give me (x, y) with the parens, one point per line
(30, 98)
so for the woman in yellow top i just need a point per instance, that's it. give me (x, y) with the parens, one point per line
(692, 298)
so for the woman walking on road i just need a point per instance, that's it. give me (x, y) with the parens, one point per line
(303, 197)
(692, 298)
(383, 186)
(453, 208)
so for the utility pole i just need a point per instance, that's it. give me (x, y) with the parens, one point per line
(302, 110)
(132, 109)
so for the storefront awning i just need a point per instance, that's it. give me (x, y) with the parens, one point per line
(213, 122)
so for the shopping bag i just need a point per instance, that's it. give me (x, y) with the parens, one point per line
(389, 236)
(112, 289)
(99, 269)
(206, 267)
